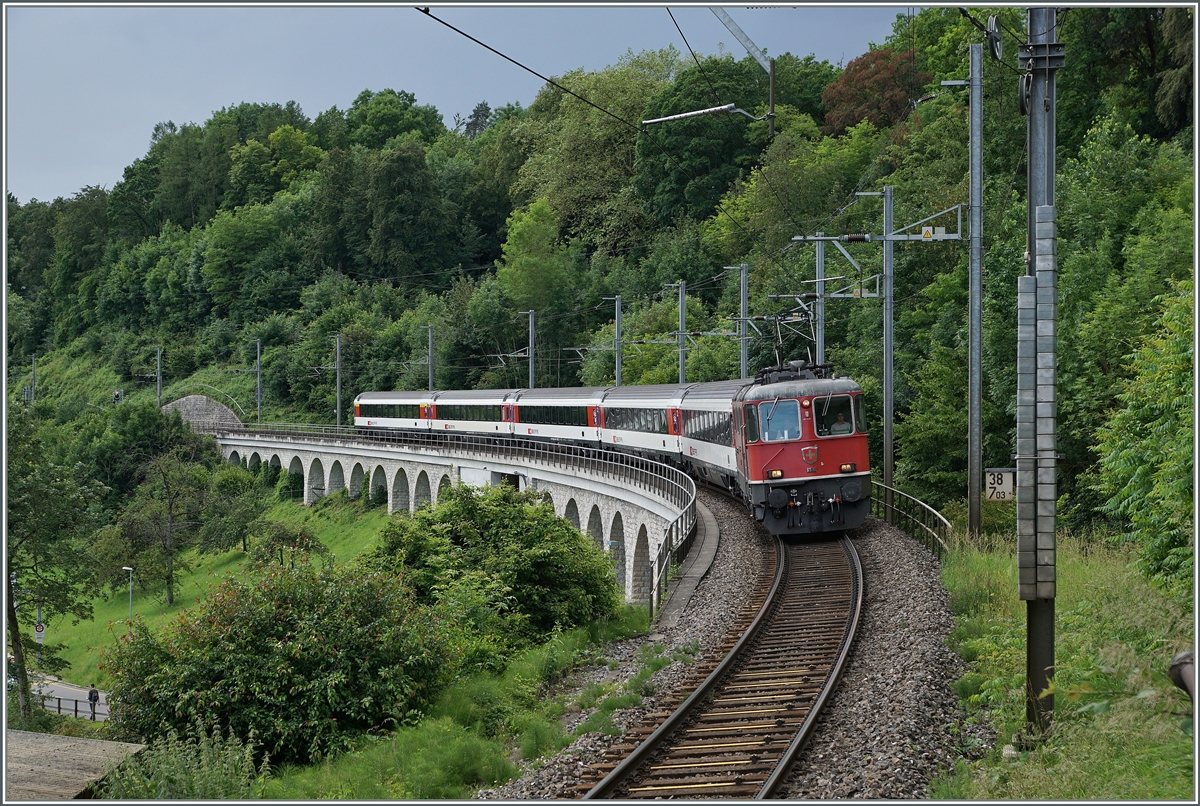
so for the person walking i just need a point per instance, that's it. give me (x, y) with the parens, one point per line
(93, 698)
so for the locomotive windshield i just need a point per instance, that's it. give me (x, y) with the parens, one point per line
(834, 416)
(780, 420)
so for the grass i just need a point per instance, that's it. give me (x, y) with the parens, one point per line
(1121, 729)
(342, 525)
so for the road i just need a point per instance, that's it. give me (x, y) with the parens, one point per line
(51, 689)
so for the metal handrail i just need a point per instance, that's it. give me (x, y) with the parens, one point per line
(671, 485)
(920, 520)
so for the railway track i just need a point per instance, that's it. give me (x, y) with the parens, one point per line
(738, 733)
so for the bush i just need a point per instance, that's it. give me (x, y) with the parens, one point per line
(304, 658)
(532, 568)
(197, 766)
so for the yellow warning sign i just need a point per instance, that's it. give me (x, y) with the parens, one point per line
(927, 232)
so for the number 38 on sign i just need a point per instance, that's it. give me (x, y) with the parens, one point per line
(1001, 483)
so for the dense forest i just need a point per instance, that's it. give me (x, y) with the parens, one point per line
(263, 225)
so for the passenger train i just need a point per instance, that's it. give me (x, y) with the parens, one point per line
(791, 443)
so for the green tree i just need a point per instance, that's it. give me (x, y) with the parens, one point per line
(80, 234)
(535, 271)
(164, 515)
(294, 153)
(553, 574)
(1145, 447)
(581, 159)
(235, 502)
(287, 544)
(51, 512)
(376, 117)
(252, 178)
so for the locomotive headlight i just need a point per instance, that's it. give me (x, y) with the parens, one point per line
(849, 467)
(774, 474)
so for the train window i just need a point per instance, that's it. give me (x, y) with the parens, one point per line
(833, 415)
(780, 420)
(554, 415)
(395, 410)
(469, 413)
(751, 413)
(709, 426)
(860, 419)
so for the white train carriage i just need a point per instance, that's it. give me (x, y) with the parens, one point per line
(571, 414)
(643, 420)
(706, 441)
(472, 411)
(407, 410)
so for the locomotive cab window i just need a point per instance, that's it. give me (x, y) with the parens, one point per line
(860, 420)
(780, 420)
(833, 415)
(751, 425)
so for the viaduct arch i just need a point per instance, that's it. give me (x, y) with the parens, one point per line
(631, 513)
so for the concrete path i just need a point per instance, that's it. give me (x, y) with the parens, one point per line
(695, 565)
(39, 766)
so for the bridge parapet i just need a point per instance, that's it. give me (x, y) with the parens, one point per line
(660, 498)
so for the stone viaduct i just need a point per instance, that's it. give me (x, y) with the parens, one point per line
(637, 511)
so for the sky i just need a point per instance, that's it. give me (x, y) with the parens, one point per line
(84, 86)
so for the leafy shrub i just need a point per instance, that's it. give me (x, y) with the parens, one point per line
(305, 658)
(527, 570)
(196, 766)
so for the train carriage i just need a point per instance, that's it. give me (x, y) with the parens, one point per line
(570, 414)
(706, 445)
(643, 420)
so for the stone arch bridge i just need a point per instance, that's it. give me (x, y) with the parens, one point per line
(641, 513)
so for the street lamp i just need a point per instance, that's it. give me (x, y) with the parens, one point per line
(130, 570)
(712, 111)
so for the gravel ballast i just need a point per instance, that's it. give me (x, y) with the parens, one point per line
(891, 726)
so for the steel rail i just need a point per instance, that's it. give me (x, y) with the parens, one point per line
(656, 739)
(773, 616)
(805, 733)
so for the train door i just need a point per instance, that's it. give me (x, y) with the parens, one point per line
(739, 440)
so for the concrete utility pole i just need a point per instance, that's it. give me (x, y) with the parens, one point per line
(682, 286)
(820, 301)
(975, 338)
(531, 346)
(429, 359)
(158, 374)
(744, 322)
(683, 332)
(258, 377)
(889, 458)
(33, 380)
(1037, 315)
(338, 363)
(617, 340)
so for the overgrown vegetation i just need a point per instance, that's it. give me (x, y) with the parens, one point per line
(309, 658)
(1121, 729)
(482, 723)
(197, 766)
